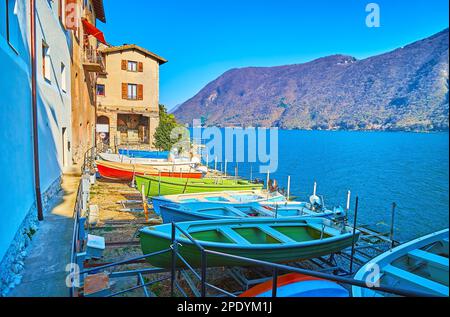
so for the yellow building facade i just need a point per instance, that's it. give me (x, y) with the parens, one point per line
(127, 95)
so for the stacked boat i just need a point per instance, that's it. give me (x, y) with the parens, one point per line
(243, 220)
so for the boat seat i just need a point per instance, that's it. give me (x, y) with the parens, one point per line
(264, 211)
(276, 234)
(420, 281)
(236, 211)
(431, 258)
(234, 236)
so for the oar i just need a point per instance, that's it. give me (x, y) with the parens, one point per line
(187, 180)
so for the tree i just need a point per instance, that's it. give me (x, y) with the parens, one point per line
(167, 123)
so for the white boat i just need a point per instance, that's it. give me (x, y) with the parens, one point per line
(418, 265)
(119, 158)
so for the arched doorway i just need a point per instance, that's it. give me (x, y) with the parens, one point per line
(103, 132)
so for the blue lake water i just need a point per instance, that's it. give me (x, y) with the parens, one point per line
(409, 169)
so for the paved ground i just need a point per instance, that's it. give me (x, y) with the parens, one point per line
(49, 253)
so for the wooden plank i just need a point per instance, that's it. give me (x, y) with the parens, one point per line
(234, 236)
(276, 234)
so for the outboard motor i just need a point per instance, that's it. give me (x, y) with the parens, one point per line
(316, 203)
(339, 213)
(273, 185)
(258, 181)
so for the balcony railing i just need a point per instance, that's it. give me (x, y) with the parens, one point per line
(93, 60)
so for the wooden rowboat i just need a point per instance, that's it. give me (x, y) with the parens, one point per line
(298, 285)
(276, 241)
(158, 186)
(418, 265)
(125, 172)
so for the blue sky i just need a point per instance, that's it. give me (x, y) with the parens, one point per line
(204, 38)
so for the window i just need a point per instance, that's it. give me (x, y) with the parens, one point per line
(63, 78)
(100, 90)
(132, 66)
(46, 61)
(12, 24)
(132, 91)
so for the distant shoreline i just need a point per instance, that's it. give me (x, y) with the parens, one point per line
(331, 130)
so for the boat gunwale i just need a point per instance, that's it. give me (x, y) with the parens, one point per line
(199, 212)
(170, 181)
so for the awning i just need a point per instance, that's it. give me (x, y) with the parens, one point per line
(92, 30)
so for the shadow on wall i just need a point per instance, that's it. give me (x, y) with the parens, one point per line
(17, 191)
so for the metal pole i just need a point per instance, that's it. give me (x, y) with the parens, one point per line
(251, 172)
(37, 173)
(289, 188)
(203, 282)
(225, 169)
(174, 262)
(394, 205)
(275, 283)
(354, 234)
(215, 165)
(159, 184)
(315, 188)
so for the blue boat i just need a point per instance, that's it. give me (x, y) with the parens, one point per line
(144, 154)
(215, 211)
(225, 197)
(418, 265)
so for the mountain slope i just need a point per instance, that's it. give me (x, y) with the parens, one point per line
(406, 89)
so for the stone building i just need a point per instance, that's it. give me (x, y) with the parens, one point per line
(128, 97)
(87, 63)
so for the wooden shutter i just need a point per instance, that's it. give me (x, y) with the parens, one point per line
(124, 64)
(124, 91)
(141, 67)
(140, 92)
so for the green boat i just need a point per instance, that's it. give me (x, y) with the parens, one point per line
(271, 240)
(160, 186)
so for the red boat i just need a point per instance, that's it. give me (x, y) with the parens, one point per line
(125, 172)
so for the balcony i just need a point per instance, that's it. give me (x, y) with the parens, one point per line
(93, 61)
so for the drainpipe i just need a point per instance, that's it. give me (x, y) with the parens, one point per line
(37, 177)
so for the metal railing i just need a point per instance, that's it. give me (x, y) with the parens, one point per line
(274, 266)
(91, 55)
(80, 204)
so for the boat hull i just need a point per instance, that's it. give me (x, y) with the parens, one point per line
(153, 241)
(110, 171)
(219, 198)
(419, 265)
(298, 285)
(153, 187)
(175, 213)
